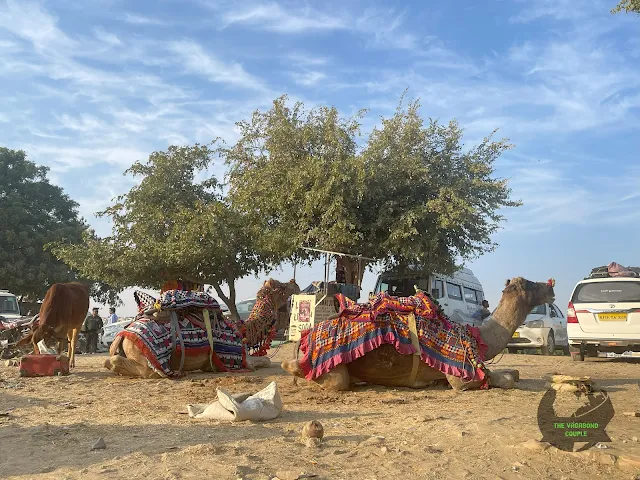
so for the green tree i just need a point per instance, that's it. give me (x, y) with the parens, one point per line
(627, 6)
(170, 226)
(409, 197)
(34, 213)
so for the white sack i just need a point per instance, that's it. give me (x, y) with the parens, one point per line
(264, 405)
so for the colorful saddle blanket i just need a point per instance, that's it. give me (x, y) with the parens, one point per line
(449, 347)
(154, 340)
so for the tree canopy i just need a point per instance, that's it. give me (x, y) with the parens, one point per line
(409, 196)
(33, 212)
(628, 6)
(168, 227)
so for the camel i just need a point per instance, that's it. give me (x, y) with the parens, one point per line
(127, 359)
(61, 316)
(385, 366)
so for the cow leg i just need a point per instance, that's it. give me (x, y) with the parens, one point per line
(73, 338)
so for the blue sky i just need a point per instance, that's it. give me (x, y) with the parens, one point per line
(88, 90)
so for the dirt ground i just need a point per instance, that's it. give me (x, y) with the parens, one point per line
(436, 433)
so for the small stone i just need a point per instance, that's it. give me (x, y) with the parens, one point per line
(312, 442)
(634, 439)
(384, 450)
(99, 445)
(313, 429)
(288, 475)
(375, 440)
(631, 414)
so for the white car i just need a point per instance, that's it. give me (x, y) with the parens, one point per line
(604, 316)
(110, 331)
(545, 328)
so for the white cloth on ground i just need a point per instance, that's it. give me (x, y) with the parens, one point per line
(263, 405)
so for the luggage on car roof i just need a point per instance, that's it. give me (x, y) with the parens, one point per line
(614, 270)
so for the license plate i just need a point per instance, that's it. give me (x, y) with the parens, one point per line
(516, 335)
(612, 317)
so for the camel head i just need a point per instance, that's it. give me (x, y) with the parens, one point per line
(278, 292)
(519, 297)
(527, 294)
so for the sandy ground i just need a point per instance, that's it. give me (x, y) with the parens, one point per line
(433, 433)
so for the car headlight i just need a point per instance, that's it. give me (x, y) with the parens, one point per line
(535, 324)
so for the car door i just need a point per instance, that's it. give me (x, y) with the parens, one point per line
(560, 326)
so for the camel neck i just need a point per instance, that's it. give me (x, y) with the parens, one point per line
(499, 329)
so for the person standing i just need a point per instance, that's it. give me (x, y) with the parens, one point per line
(91, 326)
(113, 318)
(485, 312)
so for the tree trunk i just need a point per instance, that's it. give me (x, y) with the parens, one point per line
(353, 269)
(229, 301)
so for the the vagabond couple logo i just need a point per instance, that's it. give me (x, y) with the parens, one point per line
(586, 425)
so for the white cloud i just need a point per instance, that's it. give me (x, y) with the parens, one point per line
(84, 123)
(107, 38)
(28, 21)
(556, 9)
(196, 60)
(307, 60)
(308, 78)
(136, 19)
(275, 18)
(384, 28)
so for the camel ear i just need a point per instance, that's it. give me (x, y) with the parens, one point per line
(508, 282)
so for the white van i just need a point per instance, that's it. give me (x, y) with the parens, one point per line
(9, 307)
(460, 296)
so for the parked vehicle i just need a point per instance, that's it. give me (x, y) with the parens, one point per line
(9, 307)
(603, 314)
(110, 331)
(545, 328)
(460, 295)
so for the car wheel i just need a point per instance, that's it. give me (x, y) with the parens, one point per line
(577, 354)
(550, 347)
(592, 351)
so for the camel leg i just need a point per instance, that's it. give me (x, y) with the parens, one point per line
(133, 364)
(129, 368)
(338, 379)
(462, 385)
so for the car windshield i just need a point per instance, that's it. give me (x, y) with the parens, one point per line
(539, 310)
(246, 306)
(607, 292)
(400, 287)
(9, 305)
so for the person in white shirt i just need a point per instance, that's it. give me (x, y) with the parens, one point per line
(113, 318)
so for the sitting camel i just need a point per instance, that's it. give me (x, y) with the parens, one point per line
(131, 357)
(385, 365)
